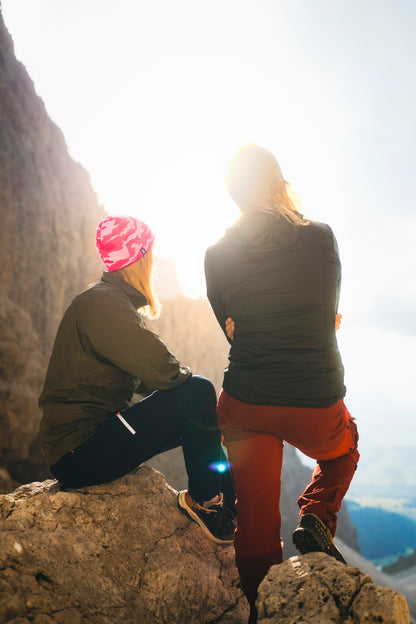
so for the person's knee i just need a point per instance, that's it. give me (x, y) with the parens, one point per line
(202, 389)
(198, 381)
(201, 399)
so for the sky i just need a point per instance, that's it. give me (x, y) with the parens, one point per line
(154, 98)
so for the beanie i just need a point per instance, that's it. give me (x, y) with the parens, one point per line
(121, 240)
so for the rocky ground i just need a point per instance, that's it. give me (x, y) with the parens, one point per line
(123, 553)
(316, 589)
(119, 553)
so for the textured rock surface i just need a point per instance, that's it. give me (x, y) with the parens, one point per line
(7, 484)
(48, 217)
(355, 559)
(115, 553)
(317, 589)
(21, 373)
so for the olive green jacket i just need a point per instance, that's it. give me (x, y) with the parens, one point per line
(103, 352)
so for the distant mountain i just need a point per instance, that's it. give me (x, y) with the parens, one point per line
(382, 534)
(402, 564)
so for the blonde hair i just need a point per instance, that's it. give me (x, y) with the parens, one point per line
(139, 275)
(255, 181)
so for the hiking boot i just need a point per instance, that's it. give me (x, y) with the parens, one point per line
(312, 535)
(216, 521)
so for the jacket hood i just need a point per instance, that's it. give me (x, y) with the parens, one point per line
(258, 232)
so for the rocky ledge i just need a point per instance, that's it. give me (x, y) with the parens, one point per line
(317, 589)
(123, 553)
(111, 554)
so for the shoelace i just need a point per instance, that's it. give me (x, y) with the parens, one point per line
(208, 510)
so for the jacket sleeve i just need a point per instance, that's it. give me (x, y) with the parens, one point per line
(118, 333)
(214, 292)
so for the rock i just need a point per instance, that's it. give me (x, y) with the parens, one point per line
(7, 484)
(49, 214)
(21, 374)
(317, 589)
(355, 559)
(118, 553)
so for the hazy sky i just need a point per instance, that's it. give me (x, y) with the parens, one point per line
(155, 97)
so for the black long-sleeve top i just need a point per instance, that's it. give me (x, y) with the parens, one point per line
(280, 283)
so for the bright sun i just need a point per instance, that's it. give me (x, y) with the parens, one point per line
(156, 116)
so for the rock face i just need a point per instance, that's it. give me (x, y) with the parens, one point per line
(123, 553)
(49, 214)
(119, 553)
(317, 589)
(356, 560)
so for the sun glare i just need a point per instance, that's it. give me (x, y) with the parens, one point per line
(155, 125)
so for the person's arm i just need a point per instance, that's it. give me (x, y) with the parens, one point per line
(119, 334)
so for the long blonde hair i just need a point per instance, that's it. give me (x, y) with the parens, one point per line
(139, 275)
(255, 181)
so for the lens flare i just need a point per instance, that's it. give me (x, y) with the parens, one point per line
(219, 466)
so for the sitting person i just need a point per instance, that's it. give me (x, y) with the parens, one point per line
(103, 353)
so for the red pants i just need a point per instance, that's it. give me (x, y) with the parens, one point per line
(253, 436)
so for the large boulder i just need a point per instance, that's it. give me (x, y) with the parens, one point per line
(119, 553)
(317, 589)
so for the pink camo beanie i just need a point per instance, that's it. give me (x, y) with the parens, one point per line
(120, 241)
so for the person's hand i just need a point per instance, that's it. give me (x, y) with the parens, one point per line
(338, 318)
(229, 328)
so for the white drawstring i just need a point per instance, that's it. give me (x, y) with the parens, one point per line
(125, 423)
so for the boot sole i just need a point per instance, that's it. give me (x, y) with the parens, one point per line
(306, 542)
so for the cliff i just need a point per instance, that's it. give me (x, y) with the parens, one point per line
(49, 213)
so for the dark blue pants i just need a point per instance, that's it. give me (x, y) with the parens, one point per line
(183, 416)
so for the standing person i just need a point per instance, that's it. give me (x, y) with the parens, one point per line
(103, 352)
(273, 283)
